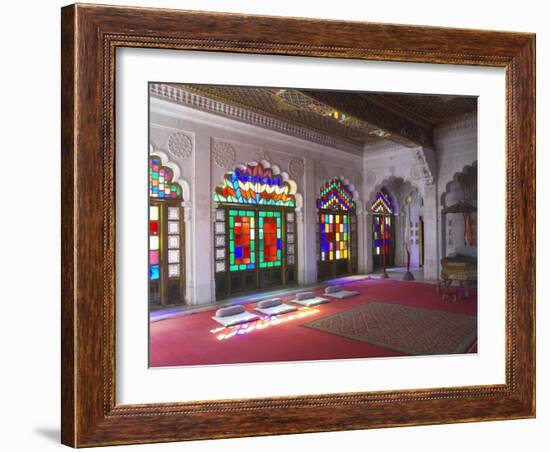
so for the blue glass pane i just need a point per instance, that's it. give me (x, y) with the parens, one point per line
(154, 272)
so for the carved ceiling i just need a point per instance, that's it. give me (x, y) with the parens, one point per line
(354, 119)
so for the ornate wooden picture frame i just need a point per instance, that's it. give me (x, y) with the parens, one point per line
(90, 38)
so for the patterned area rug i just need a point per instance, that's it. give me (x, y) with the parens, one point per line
(413, 331)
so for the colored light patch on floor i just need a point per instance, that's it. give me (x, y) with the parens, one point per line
(266, 322)
(189, 339)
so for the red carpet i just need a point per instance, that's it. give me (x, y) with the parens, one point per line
(187, 340)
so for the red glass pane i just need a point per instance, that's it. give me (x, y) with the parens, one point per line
(153, 227)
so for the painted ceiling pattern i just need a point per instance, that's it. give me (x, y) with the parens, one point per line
(294, 106)
(358, 118)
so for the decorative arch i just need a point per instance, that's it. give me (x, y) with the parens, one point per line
(166, 235)
(396, 206)
(255, 230)
(461, 187)
(337, 229)
(459, 213)
(255, 183)
(336, 195)
(176, 171)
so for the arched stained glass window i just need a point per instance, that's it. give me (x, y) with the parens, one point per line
(166, 236)
(254, 234)
(336, 230)
(382, 230)
(256, 185)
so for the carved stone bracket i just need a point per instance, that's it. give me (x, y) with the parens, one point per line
(424, 168)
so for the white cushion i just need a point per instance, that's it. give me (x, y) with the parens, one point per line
(332, 289)
(270, 302)
(230, 310)
(304, 295)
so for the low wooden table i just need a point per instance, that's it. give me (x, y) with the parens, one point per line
(461, 269)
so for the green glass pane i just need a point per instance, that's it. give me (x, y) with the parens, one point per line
(242, 266)
(233, 267)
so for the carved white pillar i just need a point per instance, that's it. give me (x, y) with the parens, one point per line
(310, 222)
(189, 244)
(202, 226)
(361, 242)
(399, 229)
(368, 242)
(301, 246)
(431, 247)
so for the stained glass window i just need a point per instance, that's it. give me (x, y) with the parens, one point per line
(253, 247)
(334, 236)
(165, 235)
(270, 239)
(242, 243)
(154, 244)
(335, 195)
(382, 222)
(335, 200)
(160, 181)
(254, 184)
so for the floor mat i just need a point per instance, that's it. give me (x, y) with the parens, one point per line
(410, 330)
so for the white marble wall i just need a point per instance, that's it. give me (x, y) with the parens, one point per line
(430, 171)
(202, 147)
(219, 144)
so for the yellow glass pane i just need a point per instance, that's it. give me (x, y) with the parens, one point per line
(153, 242)
(153, 213)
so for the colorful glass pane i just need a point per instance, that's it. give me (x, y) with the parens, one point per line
(335, 195)
(334, 236)
(160, 181)
(153, 213)
(153, 257)
(154, 272)
(382, 234)
(269, 236)
(241, 240)
(382, 204)
(254, 184)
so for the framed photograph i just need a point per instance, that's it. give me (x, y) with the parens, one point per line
(282, 225)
